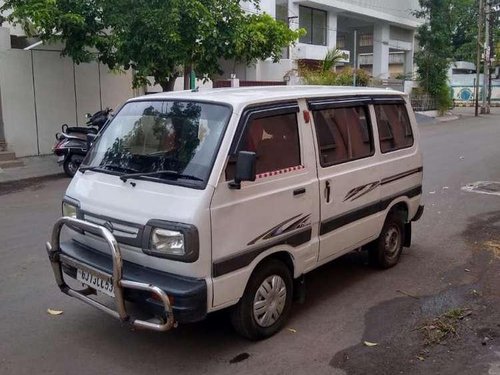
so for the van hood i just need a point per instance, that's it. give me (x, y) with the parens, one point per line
(106, 195)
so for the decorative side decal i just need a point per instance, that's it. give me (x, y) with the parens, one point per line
(360, 191)
(287, 226)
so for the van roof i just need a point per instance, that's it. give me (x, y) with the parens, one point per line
(243, 96)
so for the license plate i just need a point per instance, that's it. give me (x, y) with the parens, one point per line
(101, 285)
(60, 159)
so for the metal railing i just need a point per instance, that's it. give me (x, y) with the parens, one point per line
(423, 102)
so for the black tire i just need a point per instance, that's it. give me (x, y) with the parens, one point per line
(386, 250)
(71, 164)
(243, 316)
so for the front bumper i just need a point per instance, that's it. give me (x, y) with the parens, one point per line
(174, 298)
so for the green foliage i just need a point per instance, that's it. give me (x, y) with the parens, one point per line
(434, 57)
(155, 38)
(324, 74)
(332, 58)
(464, 31)
(345, 77)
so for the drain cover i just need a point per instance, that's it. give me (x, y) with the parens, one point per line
(483, 187)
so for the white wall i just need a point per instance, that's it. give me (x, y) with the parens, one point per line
(270, 71)
(42, 90)
(55, 96)
(17, 102)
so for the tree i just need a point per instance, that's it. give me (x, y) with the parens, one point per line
(436, 51)
(332, 58)
(157, 38)
(464, 30)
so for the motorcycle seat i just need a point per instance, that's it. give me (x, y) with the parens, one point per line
(79, 129)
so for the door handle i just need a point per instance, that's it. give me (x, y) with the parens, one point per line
(327, 191)
(299, 191)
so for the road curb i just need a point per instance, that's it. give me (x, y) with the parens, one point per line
(23, 183)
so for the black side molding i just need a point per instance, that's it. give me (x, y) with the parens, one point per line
(243, 259)
(419, 213)
(337, 222)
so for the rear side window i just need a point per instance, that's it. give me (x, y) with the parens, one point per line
(274, 139)
(343, 134)
(394, 127)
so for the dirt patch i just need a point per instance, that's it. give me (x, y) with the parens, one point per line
(454, 332)
(32, 184)
(439, 329)
(493, 247)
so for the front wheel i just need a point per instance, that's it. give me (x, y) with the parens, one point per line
(266, 303)
(386, 250)
(71, 164)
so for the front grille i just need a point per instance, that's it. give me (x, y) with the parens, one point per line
(124, 232)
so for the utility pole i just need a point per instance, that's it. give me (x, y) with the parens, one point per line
(478, 59)
(355, 58)
(486, 70)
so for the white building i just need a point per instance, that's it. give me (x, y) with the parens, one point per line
(385, 33)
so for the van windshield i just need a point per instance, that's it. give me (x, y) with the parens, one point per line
(180, 137)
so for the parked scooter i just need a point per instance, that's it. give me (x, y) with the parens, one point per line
(71, 145)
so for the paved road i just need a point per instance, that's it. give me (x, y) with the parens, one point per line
(342, 296)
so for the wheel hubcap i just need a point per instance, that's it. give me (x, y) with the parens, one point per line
(392, 242)
(269, 301)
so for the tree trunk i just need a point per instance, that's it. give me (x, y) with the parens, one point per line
(187, 77)
(168, 84)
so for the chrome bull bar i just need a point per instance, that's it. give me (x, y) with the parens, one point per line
(57, 259)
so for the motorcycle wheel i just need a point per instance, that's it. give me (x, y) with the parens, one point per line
(71, 164)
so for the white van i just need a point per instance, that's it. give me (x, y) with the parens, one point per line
(192, 202)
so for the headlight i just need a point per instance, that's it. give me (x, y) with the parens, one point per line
(69, 210)
(167, 242)
(171, 240)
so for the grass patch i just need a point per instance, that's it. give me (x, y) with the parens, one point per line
(443, 327)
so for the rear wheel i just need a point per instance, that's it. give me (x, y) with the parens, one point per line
(386, 250)
(71, 164)
(266, 303)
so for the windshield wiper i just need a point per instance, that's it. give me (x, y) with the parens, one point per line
(125, 177)
(115, 167)
(85, 169)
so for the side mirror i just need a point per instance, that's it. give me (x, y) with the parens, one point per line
(88, 115)
(90, 140)
(245, 169)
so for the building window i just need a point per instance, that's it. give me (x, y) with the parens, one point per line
(282, 11)
(366, 40)
(394, 127)
(275, 141)
(343, 134)
(340, 41)
(314, 21)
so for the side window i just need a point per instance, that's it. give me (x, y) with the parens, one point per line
(274, 139)
(394, 127)
(343, 134)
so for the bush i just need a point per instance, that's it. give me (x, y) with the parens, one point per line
(330, 78)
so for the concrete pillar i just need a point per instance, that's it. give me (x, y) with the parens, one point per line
(4, 45)
(293, 23)
(409, 59)
(252, 72)
(331, 40)
(381, 36)
(4, 38)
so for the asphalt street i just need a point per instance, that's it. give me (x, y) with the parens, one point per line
(342, 297)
